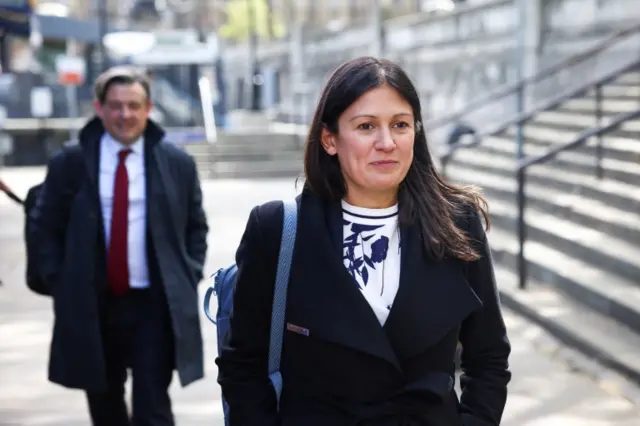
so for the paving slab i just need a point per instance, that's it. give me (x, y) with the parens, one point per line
(545, 391)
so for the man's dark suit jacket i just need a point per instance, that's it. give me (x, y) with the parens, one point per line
(348, 370)
(71, 256)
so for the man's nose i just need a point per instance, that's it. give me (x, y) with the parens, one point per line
(126, 112)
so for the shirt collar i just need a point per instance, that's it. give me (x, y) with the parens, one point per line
(114, 146)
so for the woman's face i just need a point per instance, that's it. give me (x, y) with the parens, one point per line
(374, 145)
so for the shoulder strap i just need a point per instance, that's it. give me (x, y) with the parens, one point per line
(74, 160)
(289, 227)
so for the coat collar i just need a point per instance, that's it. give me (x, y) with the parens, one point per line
(433, 297)
(91, 134)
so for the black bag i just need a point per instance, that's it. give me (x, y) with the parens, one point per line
(73, 182)
(34, 280)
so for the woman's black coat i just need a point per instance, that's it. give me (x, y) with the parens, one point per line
(339, 366)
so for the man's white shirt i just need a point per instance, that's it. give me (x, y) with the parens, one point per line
(137, 232)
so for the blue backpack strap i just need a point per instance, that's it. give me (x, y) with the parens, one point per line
(289, 227)
(207, 296)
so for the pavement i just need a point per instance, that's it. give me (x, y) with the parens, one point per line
(545, 391)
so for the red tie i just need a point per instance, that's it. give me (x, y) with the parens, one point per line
(117, 258)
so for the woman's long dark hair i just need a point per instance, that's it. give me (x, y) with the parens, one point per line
(423, 197)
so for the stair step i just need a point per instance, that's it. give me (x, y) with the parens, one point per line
(630, 78)
(295, 157)
(610, 343)
(618, 256)
(256, 147)
(610, 106)
(263, 138)
(197, 148)
(619, 148)
(256, 169)
(625, 171)
(614, 91)
(584, 211)
(573, 165)
(605, 293)
(570, 120)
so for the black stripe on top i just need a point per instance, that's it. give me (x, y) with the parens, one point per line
(369, 217)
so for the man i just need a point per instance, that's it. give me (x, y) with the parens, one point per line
(123, 254)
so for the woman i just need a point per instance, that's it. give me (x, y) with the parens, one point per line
(391, 269)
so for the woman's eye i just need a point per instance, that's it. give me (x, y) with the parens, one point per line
(402, 125)
(365, 126)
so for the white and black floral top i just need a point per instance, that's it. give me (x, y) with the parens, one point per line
(371, 250)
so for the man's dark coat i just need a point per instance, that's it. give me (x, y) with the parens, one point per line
(72, 255)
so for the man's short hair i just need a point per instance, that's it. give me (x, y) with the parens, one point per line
(120, 75)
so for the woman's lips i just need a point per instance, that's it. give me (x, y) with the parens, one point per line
(384, 164)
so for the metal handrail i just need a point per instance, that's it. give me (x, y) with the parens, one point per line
(503, 92)
(596, 83)
(525, 163)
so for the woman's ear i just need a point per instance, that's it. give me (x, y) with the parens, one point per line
(328, 141)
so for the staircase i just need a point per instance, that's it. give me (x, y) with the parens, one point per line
(583, 233)
(253, 147)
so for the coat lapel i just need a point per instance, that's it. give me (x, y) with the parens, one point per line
(433, 298)
(89, 139)
(162, 200)
(323, 297)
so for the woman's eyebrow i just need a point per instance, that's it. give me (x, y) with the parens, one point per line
(400, 114)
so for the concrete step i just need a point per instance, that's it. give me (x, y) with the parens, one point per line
(615, 91)
(256, 169)
(630, 78)
(618, 256)
(610, 343)
(587, 212)
(494, 152)
(624, 170)
(618, 148)
(618, 194)
(599, 290)
(571, 120)
(201, 153)
(204, 170)
(257, 146)
(263, 138)
(250, 155)
(253, 156)
(241, 118)
(608, 106)
(197, 148)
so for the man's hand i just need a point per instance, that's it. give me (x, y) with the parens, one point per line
(3, 187)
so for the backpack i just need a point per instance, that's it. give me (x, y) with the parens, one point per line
(33, 277)
(222, 288)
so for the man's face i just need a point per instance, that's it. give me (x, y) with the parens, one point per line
(125, 111)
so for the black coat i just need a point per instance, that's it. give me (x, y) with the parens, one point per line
(348, 370)
(71, 257)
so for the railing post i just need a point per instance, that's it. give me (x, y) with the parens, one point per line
(522, 230)
(444, 160)
(599, 148)
(520, 49)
